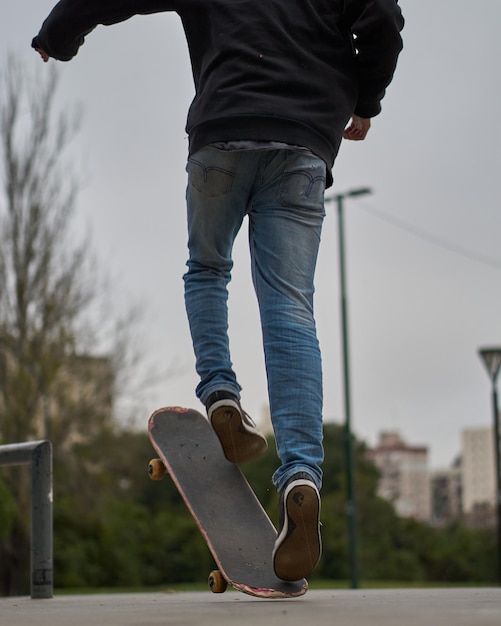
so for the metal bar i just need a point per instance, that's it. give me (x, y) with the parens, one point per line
(39, 455)
(17, 453)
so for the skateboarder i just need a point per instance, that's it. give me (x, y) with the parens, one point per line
(276, 85)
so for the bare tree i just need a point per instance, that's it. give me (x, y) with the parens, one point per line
(43, 286)
(47, 387)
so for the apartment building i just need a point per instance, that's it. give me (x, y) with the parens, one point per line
(405, 478)
(446, 486)
(478, 476)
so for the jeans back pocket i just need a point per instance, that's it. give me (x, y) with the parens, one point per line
(211, 171)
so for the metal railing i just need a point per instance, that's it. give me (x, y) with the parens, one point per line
(38, 454)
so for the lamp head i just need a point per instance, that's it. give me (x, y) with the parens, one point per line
(492, 359)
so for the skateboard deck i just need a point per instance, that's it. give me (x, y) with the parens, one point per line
(232, 521)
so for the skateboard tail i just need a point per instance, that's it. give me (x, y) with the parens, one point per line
(269, 593)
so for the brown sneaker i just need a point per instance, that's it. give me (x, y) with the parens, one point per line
(239, 436)
(299, 545)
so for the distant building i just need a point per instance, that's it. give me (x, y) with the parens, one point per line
(446, 494)
(405, 479)
(479, 488)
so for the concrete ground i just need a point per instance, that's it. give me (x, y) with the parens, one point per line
(402, 607)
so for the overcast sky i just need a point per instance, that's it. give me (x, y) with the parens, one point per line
(423, 251)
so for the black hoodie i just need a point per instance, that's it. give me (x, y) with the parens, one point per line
(292, 71)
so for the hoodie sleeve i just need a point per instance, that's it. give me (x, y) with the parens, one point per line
(375, 26)
(65, 29)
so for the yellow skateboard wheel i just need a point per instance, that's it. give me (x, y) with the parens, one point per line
(156, 469)
(217, 582)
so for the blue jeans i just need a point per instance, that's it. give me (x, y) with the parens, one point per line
(281, 191)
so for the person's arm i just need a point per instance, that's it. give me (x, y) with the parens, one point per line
(65, 29)
(376, 26)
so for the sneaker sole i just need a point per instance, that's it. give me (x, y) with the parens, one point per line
(299, 545)
(240, 444)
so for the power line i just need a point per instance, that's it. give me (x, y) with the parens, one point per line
(430, 238)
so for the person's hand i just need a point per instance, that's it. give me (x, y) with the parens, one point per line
(43, 54)
(358, 128)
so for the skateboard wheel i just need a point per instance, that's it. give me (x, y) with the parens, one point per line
(156, 469)
(217, 582)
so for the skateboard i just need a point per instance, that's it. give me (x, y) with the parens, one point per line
(236, 528)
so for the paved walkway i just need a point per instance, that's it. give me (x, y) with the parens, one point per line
(402, 607)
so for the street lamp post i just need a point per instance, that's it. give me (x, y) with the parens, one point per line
(492, 360)
(351, 509)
